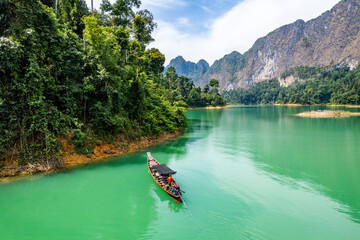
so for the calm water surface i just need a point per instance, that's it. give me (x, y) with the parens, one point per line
(248, 172)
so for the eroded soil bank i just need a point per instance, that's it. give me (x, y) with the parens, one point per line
(11, 169)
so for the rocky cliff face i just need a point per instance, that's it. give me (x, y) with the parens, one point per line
(330, 39)
(195, 71)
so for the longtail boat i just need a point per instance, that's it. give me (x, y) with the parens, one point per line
(160, 173)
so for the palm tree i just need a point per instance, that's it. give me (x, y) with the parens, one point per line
(92, 5)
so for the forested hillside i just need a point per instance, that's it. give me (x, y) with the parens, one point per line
(320, 86)
(86, 77)
(181, 89)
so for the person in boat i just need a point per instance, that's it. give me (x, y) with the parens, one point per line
(170, 180)
(176, 189)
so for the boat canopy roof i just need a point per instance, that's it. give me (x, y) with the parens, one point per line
(163, 170)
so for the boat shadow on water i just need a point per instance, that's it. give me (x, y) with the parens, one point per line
(161, 196)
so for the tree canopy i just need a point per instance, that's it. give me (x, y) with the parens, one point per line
(80, 76)
(183, 89)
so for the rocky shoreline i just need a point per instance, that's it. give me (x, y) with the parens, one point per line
(11, 170)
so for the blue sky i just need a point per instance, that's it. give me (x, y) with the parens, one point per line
(189, 16)
(205, 29)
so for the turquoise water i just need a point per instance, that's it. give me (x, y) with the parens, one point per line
(249, 173)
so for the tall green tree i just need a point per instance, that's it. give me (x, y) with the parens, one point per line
(182, 89)
(60, 81)
(214, 83)
(143, 25)
(121, 12)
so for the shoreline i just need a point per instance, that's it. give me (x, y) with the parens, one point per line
(328, 105)
(300, 105)
(289, 104)
(11, 171)
(211, 107)
(326, 114)
(344, 105)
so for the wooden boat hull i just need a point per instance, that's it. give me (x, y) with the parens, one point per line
(161, 180)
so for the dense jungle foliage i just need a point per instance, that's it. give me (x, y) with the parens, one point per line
(182, 89)
(87, 76)
(318, 86)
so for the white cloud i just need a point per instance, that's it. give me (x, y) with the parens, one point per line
(147, 3)
(206, 9)
(183, 21)
(163, 3)
(237, 29)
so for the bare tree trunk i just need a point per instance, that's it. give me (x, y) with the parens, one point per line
(56, 3)
(92, 5)
(85, 109)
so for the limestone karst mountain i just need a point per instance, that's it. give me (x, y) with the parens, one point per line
(329, 40)
(195, 71)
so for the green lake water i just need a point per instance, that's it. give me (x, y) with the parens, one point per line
(249, 172)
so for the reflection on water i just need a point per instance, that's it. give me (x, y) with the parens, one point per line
(160, 195)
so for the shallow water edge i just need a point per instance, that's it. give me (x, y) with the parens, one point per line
(12, 171)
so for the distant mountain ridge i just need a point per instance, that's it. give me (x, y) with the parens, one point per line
(195, 71)
(331, 39)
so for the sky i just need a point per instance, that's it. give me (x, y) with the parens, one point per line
(209, 29)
